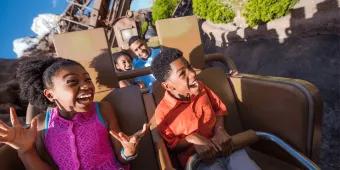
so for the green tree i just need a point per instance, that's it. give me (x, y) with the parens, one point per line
(213, 10)
(162, 9)
(144, 27)
(262, 11)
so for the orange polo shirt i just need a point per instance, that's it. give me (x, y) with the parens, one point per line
(177, 119)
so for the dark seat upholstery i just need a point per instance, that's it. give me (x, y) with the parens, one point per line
(9, 159)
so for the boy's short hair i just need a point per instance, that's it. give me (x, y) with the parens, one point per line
(134, 39)
(160, 66)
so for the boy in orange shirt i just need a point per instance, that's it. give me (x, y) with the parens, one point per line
(190, 116)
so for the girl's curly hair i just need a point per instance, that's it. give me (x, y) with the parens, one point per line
(34, 74)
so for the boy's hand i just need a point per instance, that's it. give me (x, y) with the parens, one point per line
(222, 140)
(17, 136)
(141, 85)
(203, 146)
(130, 143)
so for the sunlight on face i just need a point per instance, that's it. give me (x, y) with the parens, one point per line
(182, 81)
(124, 63)
(72, 89)
(140, 49)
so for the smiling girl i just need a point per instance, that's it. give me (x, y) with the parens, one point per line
(74, 132)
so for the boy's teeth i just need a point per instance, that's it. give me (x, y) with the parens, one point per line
(84, 96)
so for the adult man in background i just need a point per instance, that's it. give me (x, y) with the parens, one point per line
(143, 58)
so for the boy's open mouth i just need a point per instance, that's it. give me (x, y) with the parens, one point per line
(193, 87)
(193, 84)
(145, 54)
(85, 98)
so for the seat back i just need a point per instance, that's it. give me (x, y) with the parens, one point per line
(289, 108)
(182, 33)
(131, 114)
(218, 81)
(90, 49)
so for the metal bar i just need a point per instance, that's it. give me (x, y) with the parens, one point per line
(220, 57)
(111, 10)
(95, 14)
(298, 156)
(87, 4)
(75, 22)
(112, 38)
(82, 6)
(122, 8)
(175, 10)
(65, 11)
(133, 73)
(115, 11)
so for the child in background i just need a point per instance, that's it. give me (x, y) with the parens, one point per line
(123, 62)
(74, 131)
(144, 56)
(190, 117)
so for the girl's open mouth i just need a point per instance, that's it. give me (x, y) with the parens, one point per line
(85, 99)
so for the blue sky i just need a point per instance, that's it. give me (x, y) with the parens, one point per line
(140, 4)
(17, 17)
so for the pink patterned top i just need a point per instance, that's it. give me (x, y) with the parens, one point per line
(80, 143)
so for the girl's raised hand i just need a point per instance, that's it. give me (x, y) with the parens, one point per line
(130, 143)
(17, 136)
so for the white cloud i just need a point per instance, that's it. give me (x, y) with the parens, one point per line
(21, 44)
(44, 23)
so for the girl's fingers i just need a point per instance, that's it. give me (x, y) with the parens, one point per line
(2, 139)
(3, 125)
(3, 132)
(123, 137)
(145, 127)
(14, 118)
(133, 139)
(34, 124)
(142, 132)
(115, 135)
